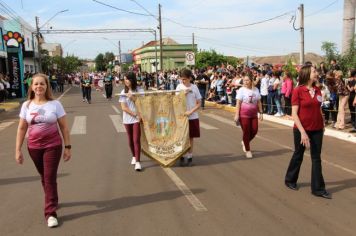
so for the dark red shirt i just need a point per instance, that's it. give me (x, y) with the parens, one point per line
(309, 108)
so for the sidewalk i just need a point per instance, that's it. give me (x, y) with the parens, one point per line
(10, 104)
(288, 122)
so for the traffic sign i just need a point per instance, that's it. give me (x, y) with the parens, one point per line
(190, 58)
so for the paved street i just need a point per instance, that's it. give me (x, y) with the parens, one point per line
(222, 194)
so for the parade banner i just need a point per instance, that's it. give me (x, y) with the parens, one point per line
(165, 129)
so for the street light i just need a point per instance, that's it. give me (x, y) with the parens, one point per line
(38, 36)
(118, 46)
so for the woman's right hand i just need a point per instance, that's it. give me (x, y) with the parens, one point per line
(19, 157)
(305, 140)
(236, 118)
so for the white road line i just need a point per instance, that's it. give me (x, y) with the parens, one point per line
(229, 122)
(115, 109)
(194, 201)
(206, 126)
(60, 97)
(79, 125)
(4, 125)
(117, 121)
(104, 95)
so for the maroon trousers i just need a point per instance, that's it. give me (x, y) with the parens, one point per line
(134, 135)
(47, 162)
(249, 130)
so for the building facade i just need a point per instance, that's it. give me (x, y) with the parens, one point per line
(173, 55)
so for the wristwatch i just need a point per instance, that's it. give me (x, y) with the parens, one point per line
(68, 146)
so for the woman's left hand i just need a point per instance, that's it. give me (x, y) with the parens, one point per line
(67, 154)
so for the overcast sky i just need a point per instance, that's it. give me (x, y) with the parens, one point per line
(323, 22)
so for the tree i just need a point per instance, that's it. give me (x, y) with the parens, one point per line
(330, 50)
(100, 62)
(209, 58)
(289, 67)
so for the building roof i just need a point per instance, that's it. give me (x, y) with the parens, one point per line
(165, 41)
(282, 59)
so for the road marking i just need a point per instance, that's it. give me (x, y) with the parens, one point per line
(206, 126)
(117, 121)
(79, 125)
(194, 201)
(60, 97)
(227, 121)
(115, 109)
(104, 95)
(4, 125)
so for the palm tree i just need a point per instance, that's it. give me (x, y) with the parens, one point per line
(349, 24)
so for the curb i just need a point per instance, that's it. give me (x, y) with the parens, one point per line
(9, 106)
(328, 132)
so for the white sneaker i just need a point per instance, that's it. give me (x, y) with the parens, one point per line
(133, 161)
(248, 154)
(138, 166)
(243, 146)
(52, 222)
(278, 114)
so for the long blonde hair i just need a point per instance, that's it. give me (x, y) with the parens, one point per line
(31, 93)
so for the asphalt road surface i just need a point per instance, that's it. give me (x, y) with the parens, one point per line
(223, 193)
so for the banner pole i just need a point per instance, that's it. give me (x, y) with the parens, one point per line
(152, 92)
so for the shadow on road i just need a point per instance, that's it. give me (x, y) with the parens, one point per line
(214, 159)
(19, 180)
(121, 203)
(336, 186)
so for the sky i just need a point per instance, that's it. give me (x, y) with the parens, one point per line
(323, 22)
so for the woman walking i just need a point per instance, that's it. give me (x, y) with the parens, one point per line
(248, 104)
(193, 100)
(87, 83)
(40, 114)
(308, 131)
(131, 118)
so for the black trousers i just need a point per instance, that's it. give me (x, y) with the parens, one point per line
(352, 109)
(264, 103)
(108, 91)
(83, 92)
(287, 106)
(316, 141)
(87, 92)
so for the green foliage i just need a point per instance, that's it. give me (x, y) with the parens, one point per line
(212, 58)
(347, 60)
(103, 61)
(289, 67)
(64, 64)
(330, 50)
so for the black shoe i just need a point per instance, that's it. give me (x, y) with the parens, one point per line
(291, 186)
(326, 195)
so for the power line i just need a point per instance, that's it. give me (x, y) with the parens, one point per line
(322, 9)
(195, 27)
(155, 17)
(120, 9)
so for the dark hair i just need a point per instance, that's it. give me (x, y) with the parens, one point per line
(131, 76)
(304, 74)
(308, 63)
(186, 73)
(353, 73)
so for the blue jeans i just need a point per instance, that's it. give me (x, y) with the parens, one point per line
(202, 93)
(277, 100)
(270, 99)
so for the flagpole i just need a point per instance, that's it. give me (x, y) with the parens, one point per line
(152, 92)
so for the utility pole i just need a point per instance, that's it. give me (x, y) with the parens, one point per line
(301, 9)
(119, 53)
(160, 38)
(38, 45)
(156, 51)
(193, 42)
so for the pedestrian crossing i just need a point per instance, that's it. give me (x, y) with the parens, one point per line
(79, 126)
